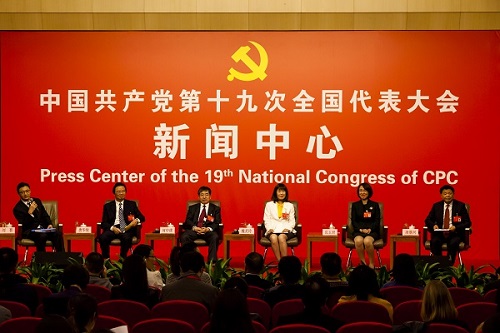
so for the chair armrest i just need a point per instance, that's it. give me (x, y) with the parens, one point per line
(261, 229)
(298, 228)
(19, 235)
(468, 232)
(344, 233)
(384, 234)
(99, 229)
(426, 231)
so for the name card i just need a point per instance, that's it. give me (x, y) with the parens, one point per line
(246, 231)
(330, 232)
(83, 230)
(167, 230)
(7, 230)
(410, 232)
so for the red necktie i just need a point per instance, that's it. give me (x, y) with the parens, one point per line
(202, 217)
(446, 221)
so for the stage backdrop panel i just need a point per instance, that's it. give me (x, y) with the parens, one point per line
(167, 112)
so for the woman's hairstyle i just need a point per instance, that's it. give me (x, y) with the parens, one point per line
(82, 311)
(437, 303)
(143, 250)
(134, 274)
(367, 188)
(363, 282)
(230, 313)
(174, 262)
(279, 186)
(404, 271)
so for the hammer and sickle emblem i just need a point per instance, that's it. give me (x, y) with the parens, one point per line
(257, 71)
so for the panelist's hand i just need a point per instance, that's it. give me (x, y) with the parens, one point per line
(436, 226)
(285, 231)
(32, 208)
(452, 228)
(198, 230)
(132, 224)
(270, 231)
(115, 230)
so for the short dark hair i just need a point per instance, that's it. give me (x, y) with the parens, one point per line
(204, 188)
(119, 184)
(331, 263)
(94, 262)
(290, 269)
(22, 184)
(254, 262)
(404, 271)
(143, 250)
(237, 282)
(82, 310)
(368, 188)
(192, 261)
(446, 187)
(316, 292)
(279, 186)
(75, 274)
(8, 260)
(363, 282)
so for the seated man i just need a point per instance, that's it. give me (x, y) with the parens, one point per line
(331, 267)
(120, 218)
(94, 263)
(254, 264)
(31, 213)
(447, 214)
(202, 221)
(290, 269)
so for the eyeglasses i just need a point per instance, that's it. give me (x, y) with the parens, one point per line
(24, 192)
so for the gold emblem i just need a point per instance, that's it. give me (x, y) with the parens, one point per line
(256, 71)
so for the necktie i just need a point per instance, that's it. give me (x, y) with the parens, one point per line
(446, 221)
(120, 217)
(202, 217)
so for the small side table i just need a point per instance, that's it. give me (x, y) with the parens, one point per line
(68, 237)
(400, 238)
(317, 237)
(11, 237)
(237, 237)
(151, 237)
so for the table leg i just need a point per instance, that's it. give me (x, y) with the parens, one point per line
(417, 246)
(309, 252)
(68, 245)
(393, 252)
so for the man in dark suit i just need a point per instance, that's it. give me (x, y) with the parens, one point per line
(202, 221)
(254, 264)
(447, 214)
(120, 218)
(31, 213)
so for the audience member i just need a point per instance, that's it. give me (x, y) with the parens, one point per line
(438, 306)
(315, 296)
(189, 285)
(94, 262)
(279, 220)
(54, 323)
(404, 273)
(14, 287)
(175, 265)
(31, 213)
(365, 219)
(451, 215)
(290, 270)
(331, 267)
(120, 218)
(494, 284)
(83, 312)
(230, 314)
(202, 222)
(254, 264)
(74, 280)
(154, 275)
(135, 285)
(490, 325)
(363, 285)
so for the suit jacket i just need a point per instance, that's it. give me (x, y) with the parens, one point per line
(129, 208)
(272, 221)
(194, 212)
(40, 216)
(458, 209)
(360, 222)
(191, 289)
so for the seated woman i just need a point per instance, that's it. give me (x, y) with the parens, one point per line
(134, 285)
(438, 306)
(363, 285)
(154, 275)
(365, 219)
(279, 220)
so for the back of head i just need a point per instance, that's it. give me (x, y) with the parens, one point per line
(492, 324)
(331, 264)
(8, 260)
(236, 282)
(192, 261)
(437, 303)
(363, 282)
(231, 313)
(83, 312)
(290, 269)
(404, 271)
(94, 262)
(174, 260)
(316, 292)
(75, 274)
(254, 263)
(143, 250)
(134, 274)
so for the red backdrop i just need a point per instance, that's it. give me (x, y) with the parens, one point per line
(406, 150)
